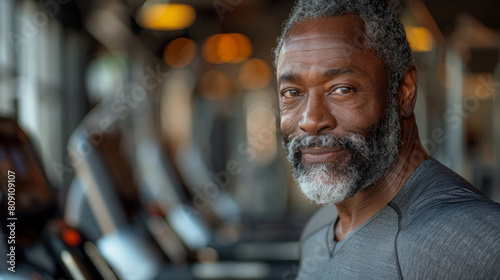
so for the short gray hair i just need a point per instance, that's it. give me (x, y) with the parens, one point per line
(384, 32)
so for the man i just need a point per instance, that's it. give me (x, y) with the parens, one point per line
(347, 88)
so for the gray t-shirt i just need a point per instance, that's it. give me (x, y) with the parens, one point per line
(437, 227)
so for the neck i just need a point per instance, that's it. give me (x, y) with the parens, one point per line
(358, 209)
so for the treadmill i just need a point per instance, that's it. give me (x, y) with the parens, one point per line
(39, 244)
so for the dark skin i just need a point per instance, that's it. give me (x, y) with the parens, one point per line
(329, 83)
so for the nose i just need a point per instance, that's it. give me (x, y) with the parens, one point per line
(317, 117)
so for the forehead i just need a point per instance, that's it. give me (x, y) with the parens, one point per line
(326, 42)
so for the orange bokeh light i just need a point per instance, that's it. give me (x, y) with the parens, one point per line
(179, 53)
(166, 16)
(227, 48)
(255, 74)
(420, 39)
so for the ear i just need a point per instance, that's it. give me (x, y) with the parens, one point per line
(407, 93)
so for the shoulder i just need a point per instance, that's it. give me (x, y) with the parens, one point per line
(445, 203)
(453, 243)
(435, 192)
(450, 229)
(432, 176)
(321, 219)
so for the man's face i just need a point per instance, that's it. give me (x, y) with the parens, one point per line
(340, 128)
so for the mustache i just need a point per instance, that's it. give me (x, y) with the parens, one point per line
(354, 143)
(326, 140)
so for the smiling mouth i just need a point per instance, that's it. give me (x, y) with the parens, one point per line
(322, 154)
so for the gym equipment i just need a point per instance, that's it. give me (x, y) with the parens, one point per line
(39, 243)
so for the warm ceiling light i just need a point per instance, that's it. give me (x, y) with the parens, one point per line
(166, 16)
(179, 52)
(255, 74)
(420, 39)
(209, 49)
(227, 48)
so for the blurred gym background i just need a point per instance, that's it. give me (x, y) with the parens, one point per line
(155, 123)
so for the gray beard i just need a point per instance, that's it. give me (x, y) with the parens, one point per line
(370, 158)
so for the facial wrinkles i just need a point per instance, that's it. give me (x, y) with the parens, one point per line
(314, 58)
(312, 48)
(327, 44)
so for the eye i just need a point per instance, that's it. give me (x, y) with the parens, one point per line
(290, 93)
(342, 90)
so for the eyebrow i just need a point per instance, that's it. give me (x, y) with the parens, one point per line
(330, 73)
(288, 77)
